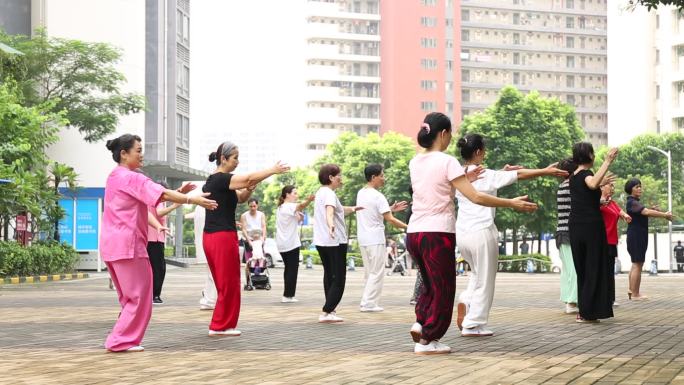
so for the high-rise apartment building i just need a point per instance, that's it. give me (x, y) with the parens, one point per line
(558, 47)
(420, 70)
(646, 86)
(343, 70)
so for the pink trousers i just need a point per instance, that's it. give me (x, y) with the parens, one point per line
(133, 281)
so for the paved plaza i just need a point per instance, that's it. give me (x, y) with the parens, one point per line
(52, 333)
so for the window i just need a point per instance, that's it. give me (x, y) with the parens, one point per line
(449, 22)
(569, 4)
(427, 106)
(569, 22)
(465, 15)
(449, 43)
(516, 38)
(429, 3)
(465, 76)
(428, 64)
(448, 86)
(516, 58)
(569, 42)
(516, 78)
(657, 57)
(428, 21)
(183, 79)
(449, 65)
(582, 22)
(179, 24)
(570, 99)
(465, 95)
(657, 91)
(186, 29)
(570, 81)
(426, 42)
(516, 18)
(428, 85)
(465, 35)
(570, 61)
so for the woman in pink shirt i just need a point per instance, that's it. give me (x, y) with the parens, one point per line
(123, 243)
(431, 239)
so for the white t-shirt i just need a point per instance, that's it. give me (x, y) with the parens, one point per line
(287, 226)
(473, 217)
(253, 222)
(433, 197)
(370, 226)
(325, 196)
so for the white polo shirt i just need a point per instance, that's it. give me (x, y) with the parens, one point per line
(473, 217)
(370, 225)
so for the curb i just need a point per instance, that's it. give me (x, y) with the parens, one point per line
(44, 278)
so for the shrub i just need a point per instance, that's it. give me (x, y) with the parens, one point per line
(518, 263)
(316, 259)
(40, 258)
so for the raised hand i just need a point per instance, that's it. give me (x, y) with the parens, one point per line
(280, 168)
(399, 206)
(612, 154)
(509, 167)
(186, 188)
(474, 174)
(204, 202)
(669, 216)
(523, 204)
(555, 171)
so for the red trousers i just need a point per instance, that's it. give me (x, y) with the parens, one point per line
(436, 257)
(223, 257)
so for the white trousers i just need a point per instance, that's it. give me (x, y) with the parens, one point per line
(374, 258)
(481, 250)
(209, 294)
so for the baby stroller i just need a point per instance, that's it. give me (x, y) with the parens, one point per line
(395, 260)
(258, 266)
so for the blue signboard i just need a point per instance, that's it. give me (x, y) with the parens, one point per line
(87, 224)
(66, 224)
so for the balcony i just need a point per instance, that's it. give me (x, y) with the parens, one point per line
(332, 52)
(338, 95)
(528, 68)
(526, 87)
(532, 48)
(524, 8)
(338, 32)
(334, 73)
(335, 11)
(332, 116)
(535, 28)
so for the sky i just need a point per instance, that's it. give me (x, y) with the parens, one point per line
(247, 79)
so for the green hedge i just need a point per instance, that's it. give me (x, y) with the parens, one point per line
(358, 261)
(518, 263)
(37, 259)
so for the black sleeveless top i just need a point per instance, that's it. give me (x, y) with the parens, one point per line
(586, 203)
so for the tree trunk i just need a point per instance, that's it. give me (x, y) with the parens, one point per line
(56, 224)
(539, 243)
(515, 241)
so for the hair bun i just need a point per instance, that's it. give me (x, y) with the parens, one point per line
(461, 143)
(212, 157)
(111, 143)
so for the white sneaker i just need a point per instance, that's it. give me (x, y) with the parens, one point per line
(416, 332)
(227, 332)
(329, 318)
(289, 300)
(615, 304)
(133, 349)
(477, 331)
(206, 307)
(370, 309)
(434, 347)
(569, 309)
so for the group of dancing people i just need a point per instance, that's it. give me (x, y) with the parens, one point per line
(433, 232)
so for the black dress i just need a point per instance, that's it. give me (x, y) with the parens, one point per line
(590, 250)
(637, 230)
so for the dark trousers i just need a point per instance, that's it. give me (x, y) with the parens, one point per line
(291, 260)
(436, 258)
(334, 260)
(156, 252)
(593, 266)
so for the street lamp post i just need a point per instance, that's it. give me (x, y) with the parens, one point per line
(668, 155)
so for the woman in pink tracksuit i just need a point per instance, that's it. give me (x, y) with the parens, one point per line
(123, 245)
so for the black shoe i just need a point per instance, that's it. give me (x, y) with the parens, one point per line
(248, 288)
(157, 301)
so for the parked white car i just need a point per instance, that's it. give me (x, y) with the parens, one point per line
(272, 254)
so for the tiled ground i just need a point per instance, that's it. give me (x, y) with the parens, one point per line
(52, 333)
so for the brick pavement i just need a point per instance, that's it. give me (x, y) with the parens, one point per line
(52, 333)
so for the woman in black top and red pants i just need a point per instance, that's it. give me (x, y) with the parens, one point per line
(588, 235)
(220, 239)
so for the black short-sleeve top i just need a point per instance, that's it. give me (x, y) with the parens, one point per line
(635, 210)
(223, 218)
(586, 203)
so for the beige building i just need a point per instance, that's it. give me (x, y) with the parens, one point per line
(646, 87)
(343, 71)
(557, 47)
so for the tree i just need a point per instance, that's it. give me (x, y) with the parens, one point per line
(26, 132)
(533, 132)
(77, 77)
(653, 4)
(353, 153)
(61, 173)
